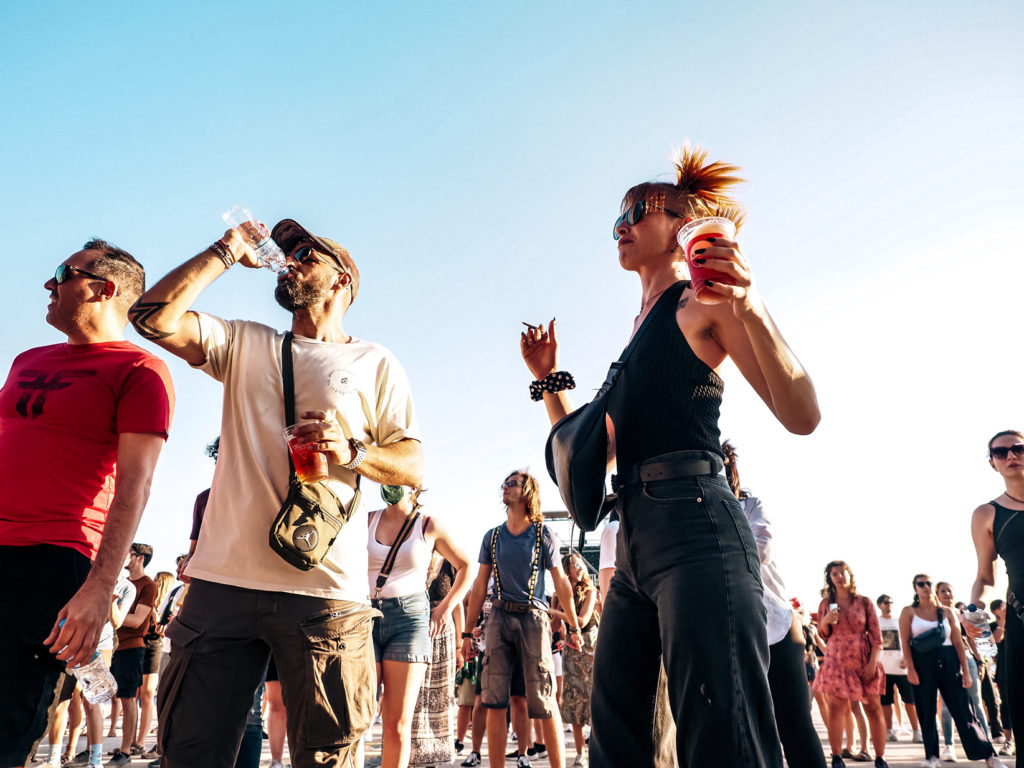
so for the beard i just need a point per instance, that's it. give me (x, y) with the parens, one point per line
(293, 295)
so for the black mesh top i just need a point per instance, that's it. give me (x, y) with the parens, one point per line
(665, 399)
(439, 588)
(1008, 531)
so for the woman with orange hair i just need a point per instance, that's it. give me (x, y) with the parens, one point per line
(687, 588)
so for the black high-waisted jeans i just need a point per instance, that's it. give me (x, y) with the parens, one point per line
(687, 587)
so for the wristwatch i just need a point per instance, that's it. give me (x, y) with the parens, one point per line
(360, 450)
(467, 635)
(574, 630)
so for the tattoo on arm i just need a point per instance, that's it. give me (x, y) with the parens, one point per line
(682, 302)
(140, 313)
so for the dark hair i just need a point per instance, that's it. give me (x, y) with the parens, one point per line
(213, 449)
(732, 471)
(1004, 433)
(882, 598)
(700, 188)
(995, 605)
(120, 266)
(531, 494)
(829, 590)
(145, 550)
(913, 583)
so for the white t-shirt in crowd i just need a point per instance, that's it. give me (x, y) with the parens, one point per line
(609, 539)
(892, 653)
(780, 612)
(123, 596)
(360, 385)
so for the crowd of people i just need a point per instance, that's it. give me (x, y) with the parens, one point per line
(298, 598)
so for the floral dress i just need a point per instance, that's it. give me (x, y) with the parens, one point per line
(847, 652)
(578, 672)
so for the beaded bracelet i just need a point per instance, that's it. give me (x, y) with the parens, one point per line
(223, 254)
(553, 382)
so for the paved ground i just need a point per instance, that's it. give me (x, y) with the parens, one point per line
(904, 753)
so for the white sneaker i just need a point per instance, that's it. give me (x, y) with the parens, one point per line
(276, 764)
(581, 762)
(918, 737)
(523, 762)
(994, 762)
(949, 754)
(890, 735)
(931, 762)
(1006, 748)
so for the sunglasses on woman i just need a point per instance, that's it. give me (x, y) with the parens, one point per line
(635, 213)
(923, 584)
(1002, 452)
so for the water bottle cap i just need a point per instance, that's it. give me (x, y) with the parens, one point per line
(972, 607)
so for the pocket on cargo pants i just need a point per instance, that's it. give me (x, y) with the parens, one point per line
(339, 699)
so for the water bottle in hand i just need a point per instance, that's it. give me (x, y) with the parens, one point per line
(984, 643)
(97, 683)
(256, 235)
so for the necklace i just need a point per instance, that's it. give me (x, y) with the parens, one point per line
(1007, 494)
(652, 299)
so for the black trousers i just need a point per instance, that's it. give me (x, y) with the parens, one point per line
(787, 680)
(991, 700)
(939, 670)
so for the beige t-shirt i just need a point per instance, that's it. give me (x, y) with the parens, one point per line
(361, 386)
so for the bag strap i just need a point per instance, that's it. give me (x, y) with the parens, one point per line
(289, 393)
(389, 561)
(942, 630)
(668, 298)
(288, 374)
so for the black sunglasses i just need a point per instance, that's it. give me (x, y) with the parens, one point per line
(1001, 452)
(65, 272)
(923, 584)
(635, 213)
(307, 255)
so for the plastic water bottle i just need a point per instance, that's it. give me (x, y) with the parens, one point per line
(979, 618)
(98, 684)
(256, 235)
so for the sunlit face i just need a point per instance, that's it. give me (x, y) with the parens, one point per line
(945, 594)
(576, 569)
(1012, 465)
(651, 241)
(512, 489)
(71, 301)
(923, 588)
(839, 575)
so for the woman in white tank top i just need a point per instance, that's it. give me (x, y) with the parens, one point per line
(401, 636)
(941, 669)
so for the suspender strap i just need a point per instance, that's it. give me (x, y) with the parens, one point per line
(389, 561)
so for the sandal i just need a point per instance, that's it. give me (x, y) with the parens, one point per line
(863, 757)
(847, 754)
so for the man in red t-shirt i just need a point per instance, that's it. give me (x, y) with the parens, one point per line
(81, 427)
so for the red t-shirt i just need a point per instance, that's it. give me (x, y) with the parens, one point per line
(62, 409)
(145, 594)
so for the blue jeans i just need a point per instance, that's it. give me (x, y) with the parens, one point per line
(402, 631)
(687, 588)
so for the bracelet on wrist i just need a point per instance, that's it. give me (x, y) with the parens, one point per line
(553, 382)
(467, 635)
(224, 254)
(574, 630)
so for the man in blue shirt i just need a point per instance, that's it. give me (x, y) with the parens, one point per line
(517, 552)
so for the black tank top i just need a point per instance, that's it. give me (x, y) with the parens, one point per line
(666, 398)
(1008, 532)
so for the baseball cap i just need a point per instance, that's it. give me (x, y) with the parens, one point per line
(287, 232)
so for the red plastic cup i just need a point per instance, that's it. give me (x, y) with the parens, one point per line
(310, 464)
(695, 236)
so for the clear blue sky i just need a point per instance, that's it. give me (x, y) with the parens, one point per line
(473, 157)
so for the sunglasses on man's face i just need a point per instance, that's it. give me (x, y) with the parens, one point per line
(512, 483)
(1003, 451)
(306, 255)
(65, 272)
(923, 584)
(635, 213)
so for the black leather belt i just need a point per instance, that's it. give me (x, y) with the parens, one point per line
(505, 605)
(668, 466)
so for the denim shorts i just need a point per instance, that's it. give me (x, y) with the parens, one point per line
(403, 632)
